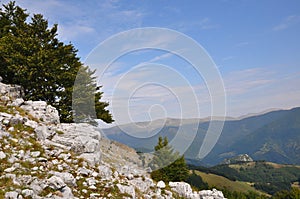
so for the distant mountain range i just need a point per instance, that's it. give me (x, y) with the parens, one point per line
(272, 136)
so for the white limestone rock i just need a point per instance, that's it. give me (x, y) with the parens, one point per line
(28, 193)
(55, 183)
(182, 188)
(2, 155)
(129, 189)
(67, 177)
(105, 172)
(39, 109)
(17, 102)
(161, 185)
(11, 195)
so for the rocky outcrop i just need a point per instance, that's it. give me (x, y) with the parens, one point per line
(10, 93)
(185, 190)
(238, 159)
(43, 158)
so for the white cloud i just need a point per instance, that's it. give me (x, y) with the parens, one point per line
(160, 57)
(257, 89)
(77, 20)
(73, 31)
(228, 58)
(287, 22)
(240, 82)
(203, 24)
(147, 85)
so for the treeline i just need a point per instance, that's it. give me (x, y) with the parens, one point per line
(294, 193)
(264, 176)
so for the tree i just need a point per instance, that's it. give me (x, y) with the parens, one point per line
(167, 164)
(294, 193)
(86, 98)
(33, 57)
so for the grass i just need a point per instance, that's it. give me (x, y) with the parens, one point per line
(221, 182)
(4, 183)
(14, 110)
(59, 132)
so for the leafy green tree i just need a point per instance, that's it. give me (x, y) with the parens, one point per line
(33, 57)
(167, 164)
(294, 193)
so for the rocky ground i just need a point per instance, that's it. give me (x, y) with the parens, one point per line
(43, 158)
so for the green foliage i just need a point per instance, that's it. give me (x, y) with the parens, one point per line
(167, 164)
(33, 57)
(294, 193)
(265, 176)
(196, 181)
(86, 98)
(241, 195)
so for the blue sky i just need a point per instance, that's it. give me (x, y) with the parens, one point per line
(254, 44)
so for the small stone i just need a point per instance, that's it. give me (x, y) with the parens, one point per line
(28, 193)
(21, 154)
(5, 122)
(11, 195)
(94, 174)
(64, 156)
(11, 129)
(56, 183)
(55, 162)
(2, 155)
(60, 167)
(18, 102)
(35, 168)
(130, 176)
(83, 171)
(91, 181)
(94, 195)
(93, 187)
(84, 191)
(35, 154)
(4, 98)
(161, 185)
(9, 170)
(14, 140)
(31, 123)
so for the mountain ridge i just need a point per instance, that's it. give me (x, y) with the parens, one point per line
(234, 132)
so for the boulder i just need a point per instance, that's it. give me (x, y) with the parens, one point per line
(11, 195)
(56, 183)
(161, 185)
(17, 102)
(28, 193)
(105, 172)
(2, 155)
(129, 189)
(68, 178)
(182, 188)
(39, 109)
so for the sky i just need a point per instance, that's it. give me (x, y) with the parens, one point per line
(254, 45)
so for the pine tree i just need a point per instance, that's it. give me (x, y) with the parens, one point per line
(33, 57)
(167, 164)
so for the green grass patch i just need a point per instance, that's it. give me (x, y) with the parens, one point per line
(221, 182)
